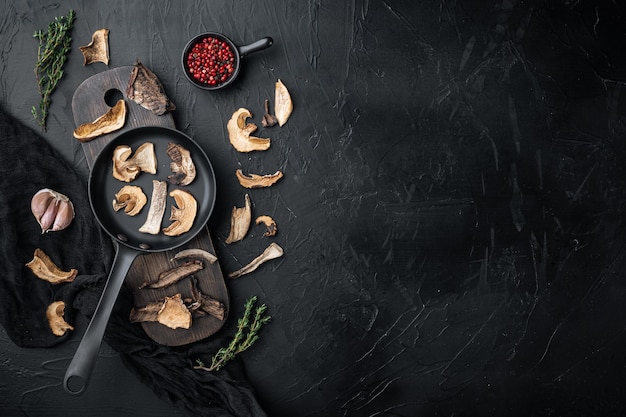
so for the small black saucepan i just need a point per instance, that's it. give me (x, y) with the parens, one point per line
(123, 229)
(238, 53)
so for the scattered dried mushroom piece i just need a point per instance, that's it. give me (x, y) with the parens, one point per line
(240, 222)
(111, 121)
(182, 217)
(173, 275)
(145, 89)
(257, 181)
(268, 119)
(239, 133)
(174, 314)
(131, 198)
(182, 166)
(195, 253)
(43, 267)
(127, 168)
(273, 251)
(270, 225)
(283, 105)
(202, 304)
(54, 314)
(152, 224)
(98, 49)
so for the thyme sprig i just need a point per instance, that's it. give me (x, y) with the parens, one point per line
(240, 341)
(54, 45)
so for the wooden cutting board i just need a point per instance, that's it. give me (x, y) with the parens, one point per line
(93, 98)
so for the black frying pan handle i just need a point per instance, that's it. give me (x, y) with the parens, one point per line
(259, 45)
(78, 372)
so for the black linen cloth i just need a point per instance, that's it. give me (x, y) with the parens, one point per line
(27, 164)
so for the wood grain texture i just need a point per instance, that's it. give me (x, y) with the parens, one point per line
(88, 103)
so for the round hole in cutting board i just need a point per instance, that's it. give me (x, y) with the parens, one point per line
(112, 96)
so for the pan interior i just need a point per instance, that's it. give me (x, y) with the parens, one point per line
(103, 187)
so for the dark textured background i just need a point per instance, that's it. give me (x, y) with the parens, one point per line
(452, 208)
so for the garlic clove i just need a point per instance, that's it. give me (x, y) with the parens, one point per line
(64, 216)
(47, 218)
(52, 210)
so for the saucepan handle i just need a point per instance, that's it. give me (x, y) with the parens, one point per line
(259, 45)
(78, 372)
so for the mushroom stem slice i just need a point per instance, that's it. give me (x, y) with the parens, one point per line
(273, 251)
(257, 181)
(240, 222)
(157, 208)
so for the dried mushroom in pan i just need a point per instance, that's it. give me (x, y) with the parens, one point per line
(131, 198)
(127, 168)
(182, 217)
(152, 225)
(182, 166)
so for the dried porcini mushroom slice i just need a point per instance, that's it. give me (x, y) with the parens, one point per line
(131, 198)
(145, 89)
(282, 103)
(173, 275)
(195, 253)
(174, 314)
(98, 49)
(54, 313)
(52, 210)
(110, 121)
(240, 222)
(43, 267)
(152, 224)
(269, 223)
(201, 304)
(182, 165)
(127, 168)
(273, 251)
(239, 133)
(183, 215)
(257, 181)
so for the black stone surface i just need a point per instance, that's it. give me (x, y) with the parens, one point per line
(452, 210)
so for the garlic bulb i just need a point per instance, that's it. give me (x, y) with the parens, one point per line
(54, 211)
